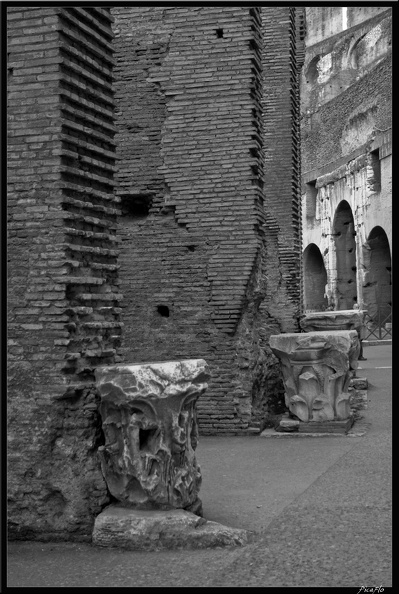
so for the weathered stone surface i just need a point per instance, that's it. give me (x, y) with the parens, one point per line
(326, 426)
(146, 530)
(316, 368)
(149, 421)
(358, 401)
(359, 383)
(346, 319)
(288, 424)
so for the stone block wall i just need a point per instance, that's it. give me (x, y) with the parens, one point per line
(346, 91)
(209, 262)
(62, 272)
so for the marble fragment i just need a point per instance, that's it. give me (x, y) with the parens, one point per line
(150, 425)
(143, 530)
(324, 321)
(317, 368)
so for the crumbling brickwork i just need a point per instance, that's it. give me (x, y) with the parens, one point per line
(62, 288)
(186, 249)
(209, 258)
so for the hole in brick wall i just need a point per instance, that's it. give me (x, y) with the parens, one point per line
(135, 206)
(163, 311)
(219, 33)
(168, 209)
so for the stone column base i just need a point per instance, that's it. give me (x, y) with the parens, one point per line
(288, 424)
(150, 530)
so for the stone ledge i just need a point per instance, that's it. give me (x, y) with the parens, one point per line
(358, 429)
(150, 530)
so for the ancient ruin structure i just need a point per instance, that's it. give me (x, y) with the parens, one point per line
(150, 425)
(200, 105)
(346, 159)
(207, 110)
(149, 420)
(334, 320)
(63, 292)
(317, 370)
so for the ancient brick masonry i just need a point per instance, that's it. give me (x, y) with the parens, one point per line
(206, 264)
(206, 270)
(281, 66)
(63, 290)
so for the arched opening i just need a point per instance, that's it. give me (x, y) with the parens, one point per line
(312, 72)
(377, 283)
(314, 279)
(345, 248)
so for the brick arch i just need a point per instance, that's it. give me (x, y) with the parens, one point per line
(377, 282)
(314, 279)
(345, 248)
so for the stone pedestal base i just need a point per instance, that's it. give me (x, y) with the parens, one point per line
(326, 426)
(150, 530)
(288, 424)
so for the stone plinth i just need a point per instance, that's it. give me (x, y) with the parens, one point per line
(150, 426)
(316, 368)
(322, 321)
(143, 530)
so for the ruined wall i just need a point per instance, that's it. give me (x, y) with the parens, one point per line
(197, 240)
(281, 106)
(205, 256)
(346, 90)
(62, 285)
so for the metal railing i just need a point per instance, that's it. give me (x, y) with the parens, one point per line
(379, 326)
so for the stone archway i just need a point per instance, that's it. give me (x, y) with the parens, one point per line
(377, 274)
(345, 248)
(314, 279)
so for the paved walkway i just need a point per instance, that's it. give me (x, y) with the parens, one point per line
(320, 507)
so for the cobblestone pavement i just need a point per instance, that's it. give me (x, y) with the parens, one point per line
(320, 508)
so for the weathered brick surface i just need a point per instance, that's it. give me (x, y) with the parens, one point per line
(205, 253)
(62, 264)
(200, 236)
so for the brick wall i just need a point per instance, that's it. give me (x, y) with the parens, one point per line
(62, 286)
(282, 159)
(203, 254)
(198, 247)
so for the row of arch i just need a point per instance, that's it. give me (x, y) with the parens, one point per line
(376, 275)
(362, 50)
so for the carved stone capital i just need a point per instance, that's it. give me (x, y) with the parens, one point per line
(149, 421)
(316, 369)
